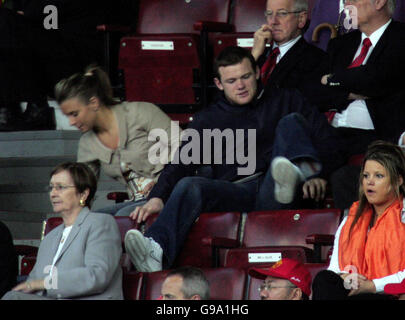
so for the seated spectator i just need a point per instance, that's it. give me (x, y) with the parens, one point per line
(286, 280)
(289, 61)
(117, 137)
(396, 289)
(368, 250)
(8, 261)
(285, 137)
(79, 259)
(43, 41)
(364, 84)
(332, 12)
(186, 283)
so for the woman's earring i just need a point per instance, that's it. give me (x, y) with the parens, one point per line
(82, 202)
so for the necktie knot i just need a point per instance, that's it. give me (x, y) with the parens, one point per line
(367, 43)
(269, 65)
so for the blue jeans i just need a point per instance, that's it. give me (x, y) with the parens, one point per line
(122, 209)
(194, 195)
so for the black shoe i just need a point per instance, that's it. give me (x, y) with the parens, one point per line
(39, 118)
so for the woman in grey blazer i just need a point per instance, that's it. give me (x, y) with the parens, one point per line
(79, 259)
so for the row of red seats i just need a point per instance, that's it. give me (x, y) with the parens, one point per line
(232, 239)
(239, 286)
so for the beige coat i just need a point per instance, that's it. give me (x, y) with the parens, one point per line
(135, 122)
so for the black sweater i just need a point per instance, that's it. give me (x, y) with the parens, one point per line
(263, 114)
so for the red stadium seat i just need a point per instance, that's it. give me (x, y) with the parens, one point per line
(132, 283)
(225, 283)
(167, 55)
(297, 234)
(206, 239)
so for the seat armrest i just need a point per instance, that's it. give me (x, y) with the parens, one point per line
(220, 242)
(320, 239)
(113, 28)
(117, 196)
(210, 26)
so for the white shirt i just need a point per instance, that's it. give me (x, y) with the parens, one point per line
(65, 235)
(356, 115)
(379, 283)
(285, 47)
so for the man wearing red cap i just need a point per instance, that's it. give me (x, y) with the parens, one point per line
(286, 280)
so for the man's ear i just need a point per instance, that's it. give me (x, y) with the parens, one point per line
(218, 84)
(297, 294)
(302, 19)
(379, 4)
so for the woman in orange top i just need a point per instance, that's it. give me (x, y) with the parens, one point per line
(369, 249)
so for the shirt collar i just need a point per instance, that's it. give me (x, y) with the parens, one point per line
(286, 46)
(376, 35)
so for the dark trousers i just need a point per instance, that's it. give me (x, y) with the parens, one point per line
(33, 59)
(194, 195)
(327, 285)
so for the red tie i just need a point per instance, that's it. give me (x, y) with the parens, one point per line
(269, 65)
(356, 63)
(363, 54)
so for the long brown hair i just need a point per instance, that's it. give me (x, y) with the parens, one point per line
(93, 82)
(392, 158)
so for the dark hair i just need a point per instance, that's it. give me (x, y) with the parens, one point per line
(82, 176)
(392, 158)
(93, 82)
(194, 282)
(230, 56)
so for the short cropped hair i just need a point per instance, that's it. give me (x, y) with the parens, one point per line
(230, 56)
(194, 282)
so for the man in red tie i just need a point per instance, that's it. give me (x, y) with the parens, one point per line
(365, 84)
(286, 60)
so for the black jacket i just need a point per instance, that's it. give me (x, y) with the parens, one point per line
(380, 79)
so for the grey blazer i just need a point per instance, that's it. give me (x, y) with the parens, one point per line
(88, 266)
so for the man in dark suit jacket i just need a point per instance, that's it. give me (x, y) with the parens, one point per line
(299, 65)
(297, 62)
(368, 93)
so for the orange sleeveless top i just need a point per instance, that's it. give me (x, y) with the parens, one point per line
(377, 252)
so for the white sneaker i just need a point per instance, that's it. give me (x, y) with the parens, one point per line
(286, 177)
(145, 253)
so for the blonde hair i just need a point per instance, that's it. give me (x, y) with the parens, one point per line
(93, 82)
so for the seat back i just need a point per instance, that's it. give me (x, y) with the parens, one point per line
(132, 283)
(288, 227)
(234, 280)
(164, 62)
(50, 224)
(125, 224)
(197, 249)
(178, 16)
